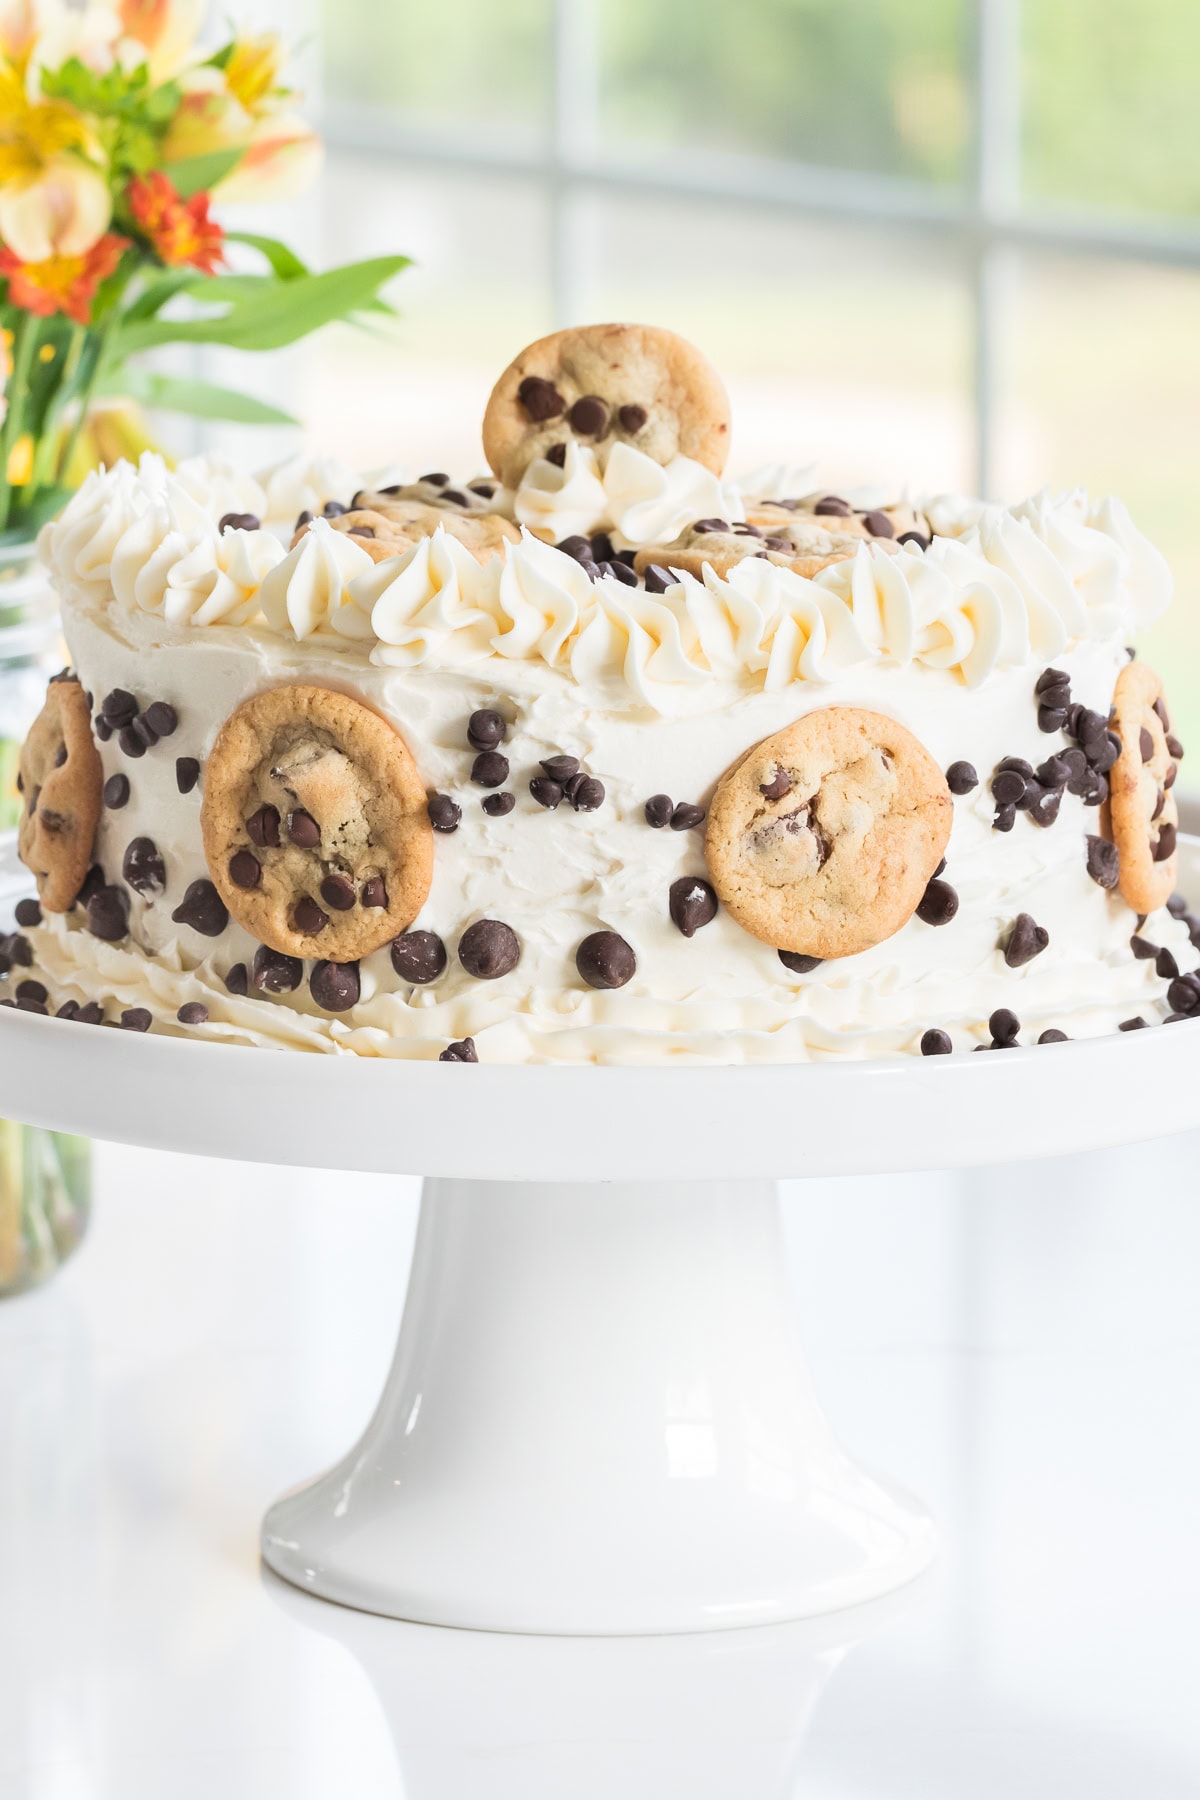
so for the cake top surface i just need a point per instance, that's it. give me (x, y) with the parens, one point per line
(615, 560)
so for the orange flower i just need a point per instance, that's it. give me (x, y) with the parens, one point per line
(180, 230)
(62, 284)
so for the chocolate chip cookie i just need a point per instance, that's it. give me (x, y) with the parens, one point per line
(823, 838)
(900, 522)
(392, 527)
(795, 543)
(606, 384)
(315, 824)
(60, 781)
(1144, 816)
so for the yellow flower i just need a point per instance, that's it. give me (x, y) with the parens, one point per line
(62, 208)
(283, 156)
(20, 461)
(252, 72)
(282, 152)
(160, 32)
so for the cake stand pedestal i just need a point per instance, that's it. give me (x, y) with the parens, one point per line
(598, 1419)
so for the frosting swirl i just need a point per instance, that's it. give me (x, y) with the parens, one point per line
(434, 603)
(642, 501)
(308, 590)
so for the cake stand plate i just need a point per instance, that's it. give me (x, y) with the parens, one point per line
(599, 1418)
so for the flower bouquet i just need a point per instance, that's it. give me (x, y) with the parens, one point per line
(118, 135)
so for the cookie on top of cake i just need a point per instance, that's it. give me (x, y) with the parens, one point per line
(598, 757)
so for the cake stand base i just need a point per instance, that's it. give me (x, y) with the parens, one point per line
(598, 1421)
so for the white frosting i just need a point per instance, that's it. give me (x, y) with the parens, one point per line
(556, 876)
(997, 588)
(302, 483)
(218, 488)
(628, 493)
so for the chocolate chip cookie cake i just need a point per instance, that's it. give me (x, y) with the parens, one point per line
(598, 757)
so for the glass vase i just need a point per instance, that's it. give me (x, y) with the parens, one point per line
(45, 1176)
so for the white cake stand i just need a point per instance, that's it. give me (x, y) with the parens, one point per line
(598, 1419)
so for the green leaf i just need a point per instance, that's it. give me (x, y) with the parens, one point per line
(199, 399)
(285, 312)
(195, 174)
(158, 291)
(284, 262)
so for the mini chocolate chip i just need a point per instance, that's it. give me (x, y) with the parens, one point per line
(961, 778)
(119, 707)
(245, 870)
(144, 868)
(108, 914)
(1051, 718)
(462, 1051)
(374, 895)
(308, 917)
(1143, 950)
(659, 809)
(915, 537)
(130, 742)
(936, 1043)
(1051, 678)
(775, 789)
(338, 892)
(32, 990)
(489, 949)
(1004, 1026)
(799, 964)
(418, 956)
(116, 792)
(335, 986)
(1026, 940)
(162, 718)
(589, 416)
(484, 489)
(1174, 747)
(93, 881)
(632, 418)
(27, 912)
(1079, 775)
(237, 980)
(68, 1010)
(490, 769)
(1044, 809)
(1054, 1036)
(333, 509)
(455, 497)
(1008, 787)
(540, 399)
(1160, 800)
(485, 729)
(436, 479)
(687, 816)
(879, 525)
(303, 518)
(1097, 791)
(1054, 772)
(547, 793)
(1183, 996)
(275, 973)
(203, 909)
(579, 549)
(102, 727)
(710, 525)
(262, 827)
(605, 960)
(585, 793)
(658, 579)
(233, 521)
(1165, 847)
(618, 571)
(1165, 966)
(1004, 819)
(364, 531)
(1177, 906)
(692, 903)
(834, 505)
(193, 1012)
(1103, 862)
(187, 773)
(60, 756)
(1146, 744)
(497, 806)
(557, 454)
(938, 904)
(1160, 707)
(1136, 1024)
(560, 768)
(144, 730)
(303, 830)
(91, 1014)
(136, 1018)
(444, 813)
(1169, 777)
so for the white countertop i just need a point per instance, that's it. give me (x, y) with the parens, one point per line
(1020, 1347)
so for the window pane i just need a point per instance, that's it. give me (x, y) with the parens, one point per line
(1111, 118)
(878, 84)
(841, 347)
(1103, 389)
(487, 69)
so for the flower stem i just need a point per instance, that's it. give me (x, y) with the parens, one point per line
(25, 334)
(47, 465)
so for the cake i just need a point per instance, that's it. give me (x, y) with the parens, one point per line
(599, 757)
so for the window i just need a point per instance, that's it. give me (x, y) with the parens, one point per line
(949, 242)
